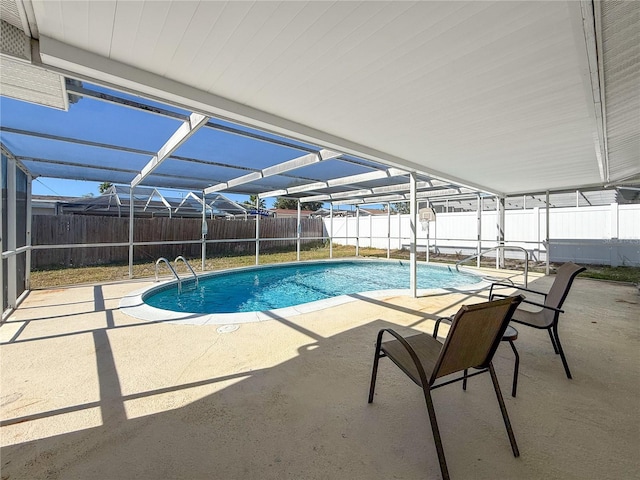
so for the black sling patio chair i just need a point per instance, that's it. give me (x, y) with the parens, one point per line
(547, 316)
(476, 331)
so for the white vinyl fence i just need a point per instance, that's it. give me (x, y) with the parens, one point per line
(607, 235)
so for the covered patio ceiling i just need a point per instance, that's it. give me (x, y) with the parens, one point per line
(499, 97)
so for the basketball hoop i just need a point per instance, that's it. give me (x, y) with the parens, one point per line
(426, 215)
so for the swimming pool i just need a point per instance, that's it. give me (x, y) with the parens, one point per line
(245, 294)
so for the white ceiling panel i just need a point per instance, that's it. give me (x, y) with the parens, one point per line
(494, 94)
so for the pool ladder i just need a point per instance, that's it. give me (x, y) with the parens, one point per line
(175, 264)
(173, 270)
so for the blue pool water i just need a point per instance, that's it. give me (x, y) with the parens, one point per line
(279, 286)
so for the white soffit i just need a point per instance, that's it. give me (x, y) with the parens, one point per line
(489, 94)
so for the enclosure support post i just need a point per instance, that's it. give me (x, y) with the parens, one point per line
(412, 242)
(500, 201)
(2, 246)
(331, 229)
(131, 231)
(547, 246)
(399, 230)
(370, 231)
(479, 230)
(12, 273)
(426, 257)
(536, 213)
(257, 231)
(357, 230)
(388, 230)
(298, 231)
(27, 270)
(205, 230)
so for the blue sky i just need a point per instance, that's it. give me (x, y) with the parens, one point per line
(104, 123)
(80, 188)
(98, 121)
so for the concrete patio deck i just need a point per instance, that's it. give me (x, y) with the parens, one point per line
(88, 392)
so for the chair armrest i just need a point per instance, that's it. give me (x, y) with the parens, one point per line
(517, 288)
(437, 325)
(410, 351)
(530, 302)
(498, 295)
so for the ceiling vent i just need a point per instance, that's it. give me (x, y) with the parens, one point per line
(20, 78)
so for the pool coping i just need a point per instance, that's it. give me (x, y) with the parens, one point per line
(133, 304)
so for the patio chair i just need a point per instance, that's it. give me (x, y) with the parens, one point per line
(473, 338)
(549, 313)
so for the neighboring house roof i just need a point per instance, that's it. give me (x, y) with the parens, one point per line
(283, 212)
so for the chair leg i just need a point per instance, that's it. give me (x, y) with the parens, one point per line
(503, 409)
(436, 433)
(553, 341)
(464, 381)
(564, 359)
(374, 372)
(516, 367)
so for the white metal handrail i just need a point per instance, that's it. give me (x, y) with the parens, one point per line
(162, 259)
(175, 264)
(502, 247)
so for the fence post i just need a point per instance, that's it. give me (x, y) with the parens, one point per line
(615, 228)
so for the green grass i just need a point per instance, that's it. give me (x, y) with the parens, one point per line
(56, 277)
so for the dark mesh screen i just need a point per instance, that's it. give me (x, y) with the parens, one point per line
(21, 228)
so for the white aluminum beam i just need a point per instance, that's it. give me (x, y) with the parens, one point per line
(273, 193)
(180, 136)
(315, 198)
(293, 164)
(336, 182)
(307, 187)
(367, 198)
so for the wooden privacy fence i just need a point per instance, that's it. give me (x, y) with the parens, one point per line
(84, 229)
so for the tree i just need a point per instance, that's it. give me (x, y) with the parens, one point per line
(292, 204)
(251, 203)
(104, 186)
(402, 207)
